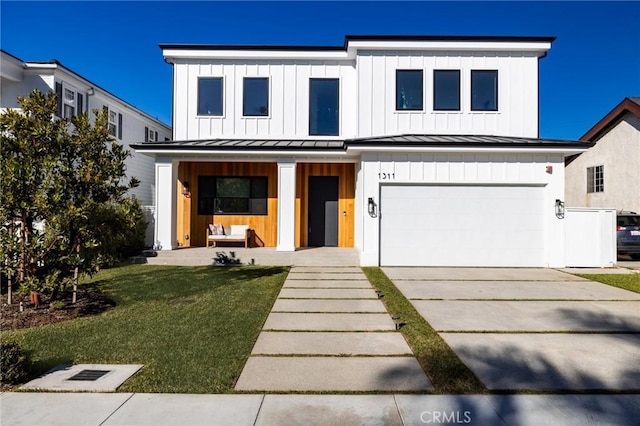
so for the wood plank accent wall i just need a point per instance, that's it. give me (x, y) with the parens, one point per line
(193, 225)
(346, 199)
(190, 223)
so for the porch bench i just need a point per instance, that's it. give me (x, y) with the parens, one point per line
(236, 234)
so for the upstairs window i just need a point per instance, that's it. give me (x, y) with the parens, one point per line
(210, 96)
(114, 125)
(255, 97)
(595, 179)
(446, 90)
(150, 135)
(70, 101)
(324, 96)
(113, 122)
(409, 90)
(231, 195)
(484, 90)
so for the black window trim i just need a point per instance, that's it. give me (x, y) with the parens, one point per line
(337, 106)
(422, 89)
(497, 91)
(244, 99)
(222, 110)
(459, 90)
(250, 178)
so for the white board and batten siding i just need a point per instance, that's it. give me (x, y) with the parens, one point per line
(517, 113)
(447, 197)
(590, 237)
(288, 98)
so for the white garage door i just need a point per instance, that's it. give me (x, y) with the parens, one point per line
(462, 226)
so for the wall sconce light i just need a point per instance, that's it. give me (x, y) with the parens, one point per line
(90, 91)
(185, 189)
(372, 208)
(559, 209)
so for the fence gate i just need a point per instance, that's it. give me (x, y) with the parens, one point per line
(590, 237)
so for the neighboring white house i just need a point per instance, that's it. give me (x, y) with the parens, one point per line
(76, 95)
(413, 150)
(608, 174)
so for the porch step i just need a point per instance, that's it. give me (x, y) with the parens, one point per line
(332, 257)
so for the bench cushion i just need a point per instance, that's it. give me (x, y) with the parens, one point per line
(238, 231)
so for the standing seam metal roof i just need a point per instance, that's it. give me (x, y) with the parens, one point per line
(411, 140)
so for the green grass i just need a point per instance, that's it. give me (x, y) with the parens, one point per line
(629, 282)
(448, 374)
(193, 328)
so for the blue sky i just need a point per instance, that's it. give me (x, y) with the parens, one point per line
(592, 66)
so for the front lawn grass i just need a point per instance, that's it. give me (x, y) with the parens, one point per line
(629, 282)
(193, 328)
(448, 374)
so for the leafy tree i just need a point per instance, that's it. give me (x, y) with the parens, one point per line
(30, 147)
(62, 173)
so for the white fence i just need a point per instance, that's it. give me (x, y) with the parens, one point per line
(590, 237)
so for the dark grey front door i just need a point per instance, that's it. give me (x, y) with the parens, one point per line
(323, 211)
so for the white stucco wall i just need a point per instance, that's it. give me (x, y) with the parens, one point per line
(618, 151)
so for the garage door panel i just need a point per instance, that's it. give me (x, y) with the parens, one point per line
(462, 226)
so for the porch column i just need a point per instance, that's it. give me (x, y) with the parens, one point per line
(286, 205)
(166, 203)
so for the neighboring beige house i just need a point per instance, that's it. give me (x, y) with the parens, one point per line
(608, 174)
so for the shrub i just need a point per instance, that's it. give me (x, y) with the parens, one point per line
(13, 362)
(121, 230)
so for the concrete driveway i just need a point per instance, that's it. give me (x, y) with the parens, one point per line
(531, 329)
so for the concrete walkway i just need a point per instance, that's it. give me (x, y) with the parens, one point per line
(531, 329)
(120, 409)
(329, 331)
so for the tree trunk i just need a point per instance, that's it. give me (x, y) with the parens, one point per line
(75, 276)
(9, 289)
(23, 248)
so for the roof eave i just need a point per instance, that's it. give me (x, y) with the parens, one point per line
(626, 106)
(566, 150)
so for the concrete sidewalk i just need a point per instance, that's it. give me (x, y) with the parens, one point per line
(119, 409)
(328, 331)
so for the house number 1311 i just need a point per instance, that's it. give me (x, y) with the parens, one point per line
(386, 176)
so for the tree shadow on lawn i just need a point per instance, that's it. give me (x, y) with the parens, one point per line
(145, 283)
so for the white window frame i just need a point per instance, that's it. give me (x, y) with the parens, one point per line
(110, 123)
(595, 179)
(71, 103)
(152, 135)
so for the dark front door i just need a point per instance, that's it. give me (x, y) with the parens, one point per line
(323, 211)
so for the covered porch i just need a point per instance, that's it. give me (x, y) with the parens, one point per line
(288, 203)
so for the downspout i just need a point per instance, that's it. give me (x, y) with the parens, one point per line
(544, 55)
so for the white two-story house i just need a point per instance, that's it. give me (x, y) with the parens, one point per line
(76, 95)
(413, 150)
